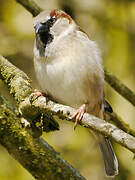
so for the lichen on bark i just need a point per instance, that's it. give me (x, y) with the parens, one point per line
(35, 155)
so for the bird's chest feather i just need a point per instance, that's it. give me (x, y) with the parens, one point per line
(67, 81)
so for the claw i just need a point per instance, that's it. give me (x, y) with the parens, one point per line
(35, 95)
(79, 115)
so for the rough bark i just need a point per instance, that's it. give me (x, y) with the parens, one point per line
(34, 154)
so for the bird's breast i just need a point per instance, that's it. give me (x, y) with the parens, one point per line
(69, 82)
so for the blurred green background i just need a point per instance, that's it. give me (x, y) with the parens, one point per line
(112, 24)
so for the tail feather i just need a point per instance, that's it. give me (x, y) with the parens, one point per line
(110, 159)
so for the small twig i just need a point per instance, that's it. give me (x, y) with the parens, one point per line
(117, 120)
(31, 6)
(121, 88)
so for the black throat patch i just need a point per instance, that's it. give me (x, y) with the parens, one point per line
(43, 37)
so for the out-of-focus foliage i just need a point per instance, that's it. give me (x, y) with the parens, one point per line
(112, 24)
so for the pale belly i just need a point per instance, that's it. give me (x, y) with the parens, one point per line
(68, 84)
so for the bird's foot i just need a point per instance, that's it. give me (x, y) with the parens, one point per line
(35, 95)
(79, 114)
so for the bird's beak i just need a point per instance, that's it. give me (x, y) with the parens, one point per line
(40, 28)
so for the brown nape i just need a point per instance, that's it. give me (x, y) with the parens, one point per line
(58, 13)
(80, 29)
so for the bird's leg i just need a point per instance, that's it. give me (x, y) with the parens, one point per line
(79, 114)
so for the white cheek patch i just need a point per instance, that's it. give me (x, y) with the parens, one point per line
(59, 26)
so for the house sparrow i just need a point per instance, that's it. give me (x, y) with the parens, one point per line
(69, 68)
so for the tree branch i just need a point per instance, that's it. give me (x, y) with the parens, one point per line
(121, 88)
(54, 110)
(110, 78)
(88, 121)
(117, 120)
(31, 6)
(36, 155)
(20, 88)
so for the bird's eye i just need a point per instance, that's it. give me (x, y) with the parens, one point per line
(50, 21)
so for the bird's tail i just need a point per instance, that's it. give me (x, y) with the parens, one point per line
(110, 159)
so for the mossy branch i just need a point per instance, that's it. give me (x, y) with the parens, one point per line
(20, 88)
(110, 78)
(62, 112)
(34, 154)
(54, 110)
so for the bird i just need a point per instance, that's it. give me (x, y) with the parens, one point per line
(68, 67)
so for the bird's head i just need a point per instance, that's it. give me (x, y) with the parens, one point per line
(50, 25)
